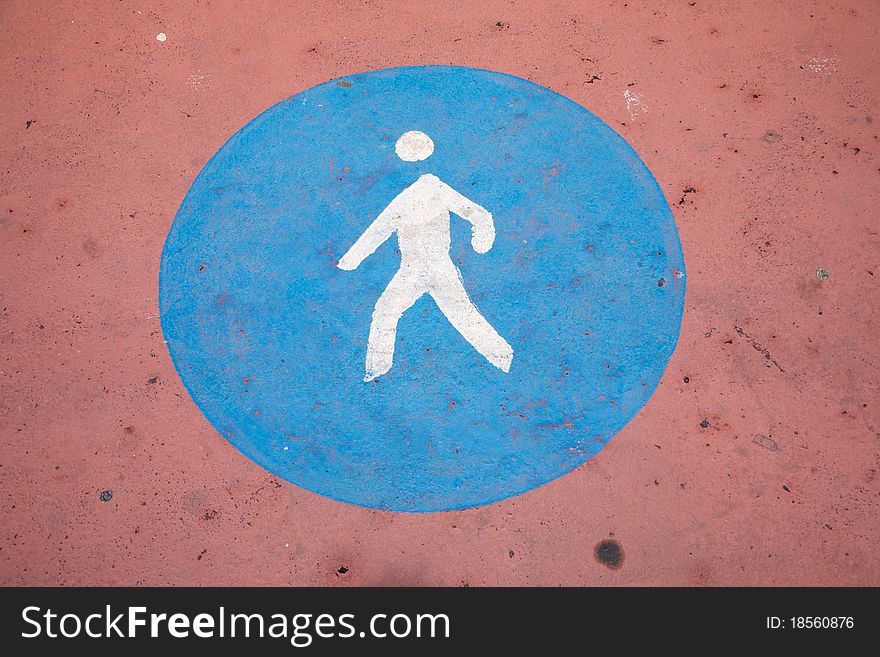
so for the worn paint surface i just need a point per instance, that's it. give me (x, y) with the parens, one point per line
(268, 333)
(754, 462)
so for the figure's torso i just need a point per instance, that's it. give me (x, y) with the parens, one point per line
(421, 218)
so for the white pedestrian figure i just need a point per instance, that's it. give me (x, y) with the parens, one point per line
(420, 215)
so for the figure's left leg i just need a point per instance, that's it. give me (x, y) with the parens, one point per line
(402, 292)
(448, 291)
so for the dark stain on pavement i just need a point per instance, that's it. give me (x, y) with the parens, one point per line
(609, 553)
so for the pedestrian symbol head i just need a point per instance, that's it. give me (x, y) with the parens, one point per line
(414, 146)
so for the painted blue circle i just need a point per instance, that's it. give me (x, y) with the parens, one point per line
(585, 281)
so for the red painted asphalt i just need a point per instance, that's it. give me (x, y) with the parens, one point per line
(755, 462)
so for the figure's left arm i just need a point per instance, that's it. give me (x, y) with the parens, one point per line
(376, 233)
(483, 228)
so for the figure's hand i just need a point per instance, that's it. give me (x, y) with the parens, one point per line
(347, 263)
(484, 234)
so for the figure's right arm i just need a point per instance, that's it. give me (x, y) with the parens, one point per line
(379, 231)
(483, 228)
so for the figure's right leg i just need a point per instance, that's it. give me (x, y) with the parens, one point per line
(402, 292)
(448, 291)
